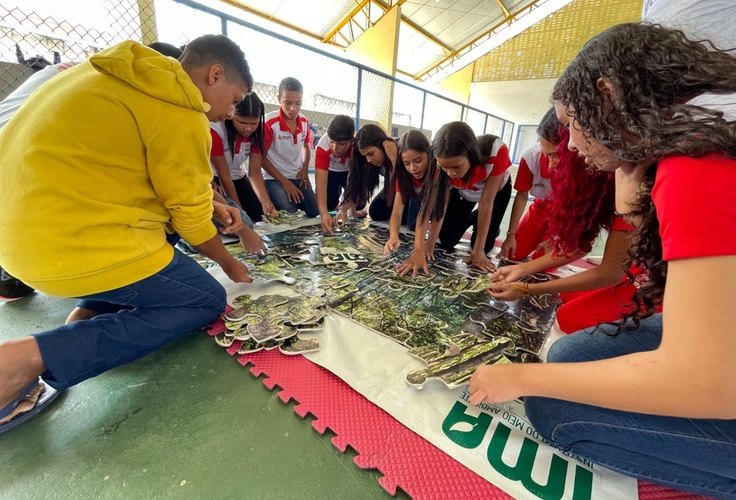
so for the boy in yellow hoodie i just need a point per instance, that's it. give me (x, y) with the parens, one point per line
(117, 152)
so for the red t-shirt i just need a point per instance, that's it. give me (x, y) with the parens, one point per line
(325, 159)
(218, 148)
(694, 199)
(471, 186)
(416, 185)
(524, 176)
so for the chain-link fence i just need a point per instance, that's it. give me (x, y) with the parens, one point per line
(37, 33)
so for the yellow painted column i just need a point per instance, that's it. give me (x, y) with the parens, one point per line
(147, 18)
(457, 85)
(377, 48)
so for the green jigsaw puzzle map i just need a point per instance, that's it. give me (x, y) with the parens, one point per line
(446, 319)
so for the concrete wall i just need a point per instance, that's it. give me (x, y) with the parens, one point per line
(524, 102)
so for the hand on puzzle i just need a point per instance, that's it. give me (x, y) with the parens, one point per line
(509, 274)
(507, 247)
(506, 291)
(495, 383)
(481, 261)
(326, 223)
(269, 208)
(237, 272)
(413, 264)
(252, 243)
(391, 245)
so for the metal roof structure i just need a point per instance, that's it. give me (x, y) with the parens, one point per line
(436, 38)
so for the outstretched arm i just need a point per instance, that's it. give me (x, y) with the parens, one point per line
(517, 210)
(689, 375)
(609, 272)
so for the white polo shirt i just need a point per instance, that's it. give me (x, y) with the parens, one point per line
(325, 159)
(284, 147)
(471, 186)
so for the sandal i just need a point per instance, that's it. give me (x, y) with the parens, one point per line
(32, 400)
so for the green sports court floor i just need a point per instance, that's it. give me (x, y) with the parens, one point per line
(185, 422)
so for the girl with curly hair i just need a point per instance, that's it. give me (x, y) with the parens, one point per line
(656, 401)
(466, 171)
(375, 154)
(582, 202)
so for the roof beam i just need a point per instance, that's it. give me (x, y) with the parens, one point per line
(506, 20)
(506, 12)
(345, 20)
(268, 17)
(426, 34)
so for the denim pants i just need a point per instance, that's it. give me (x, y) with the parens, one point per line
(697, 455)
(281, 201)
(336, 184)
(139, 318)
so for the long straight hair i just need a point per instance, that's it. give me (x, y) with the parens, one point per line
(250, 107)
(363, 177)
(413, 140)
(452, 139)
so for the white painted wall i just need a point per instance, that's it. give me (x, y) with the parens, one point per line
(524, 102)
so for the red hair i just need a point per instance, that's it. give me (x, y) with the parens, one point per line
(582, 201)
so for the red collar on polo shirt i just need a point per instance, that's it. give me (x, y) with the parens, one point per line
(476, 175)
(285, 126)
(346, 156)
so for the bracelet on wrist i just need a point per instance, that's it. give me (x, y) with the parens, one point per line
(510, 233)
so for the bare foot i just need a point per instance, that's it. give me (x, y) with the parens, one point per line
(20, 363)
(79, 314)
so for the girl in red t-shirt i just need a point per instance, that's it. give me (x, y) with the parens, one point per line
(414, 153)
(654, 398)
(582, 202)
(527, 233)
(463, 176)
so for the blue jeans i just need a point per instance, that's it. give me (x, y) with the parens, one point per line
(411, 212)
(697, 455)
(139, 319)
(279, 199)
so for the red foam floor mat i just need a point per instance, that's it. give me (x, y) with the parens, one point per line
(405, 459)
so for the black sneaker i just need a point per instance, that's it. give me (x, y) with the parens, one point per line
(12, 288)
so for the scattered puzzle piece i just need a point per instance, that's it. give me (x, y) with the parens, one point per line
(285, 217)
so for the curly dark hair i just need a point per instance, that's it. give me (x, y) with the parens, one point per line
(582, 201)
(654, 72)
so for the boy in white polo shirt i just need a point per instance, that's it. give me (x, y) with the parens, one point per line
(286, 163)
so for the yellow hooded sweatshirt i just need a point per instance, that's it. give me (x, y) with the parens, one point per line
(94, 166)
